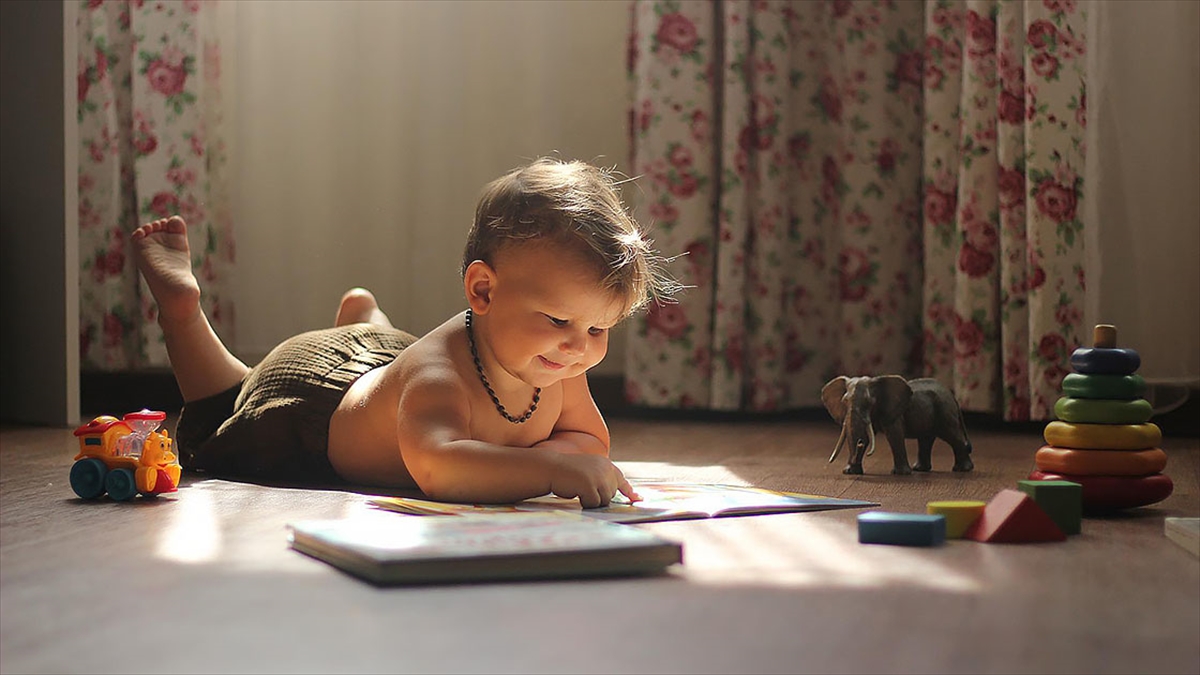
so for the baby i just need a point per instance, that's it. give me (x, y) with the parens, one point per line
(492, 406)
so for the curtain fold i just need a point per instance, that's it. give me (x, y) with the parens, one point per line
(151, 146)
(860, 188)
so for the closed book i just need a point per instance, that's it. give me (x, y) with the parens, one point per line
(385, 550)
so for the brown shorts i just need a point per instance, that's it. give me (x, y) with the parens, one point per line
(273, 426)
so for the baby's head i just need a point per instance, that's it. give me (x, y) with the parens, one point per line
(577, 206)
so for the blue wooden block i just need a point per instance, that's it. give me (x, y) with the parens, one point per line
(901, 529)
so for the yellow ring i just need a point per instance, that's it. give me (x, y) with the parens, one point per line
(1101, 462)
(1103, 436)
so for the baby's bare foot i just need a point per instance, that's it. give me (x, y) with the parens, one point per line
(359, 306)
(162, 255)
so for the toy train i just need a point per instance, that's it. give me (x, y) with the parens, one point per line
(125, 457)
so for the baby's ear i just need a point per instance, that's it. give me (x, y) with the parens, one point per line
(478, 282)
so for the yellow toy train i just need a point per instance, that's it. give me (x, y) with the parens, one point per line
(125, 457)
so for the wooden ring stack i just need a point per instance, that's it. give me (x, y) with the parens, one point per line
(1103, 438)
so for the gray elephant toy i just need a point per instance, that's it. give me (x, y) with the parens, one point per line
(922, 409)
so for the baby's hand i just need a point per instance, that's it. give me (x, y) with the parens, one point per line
(593, 479)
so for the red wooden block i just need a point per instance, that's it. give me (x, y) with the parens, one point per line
(1012, 517)
(1113, 493)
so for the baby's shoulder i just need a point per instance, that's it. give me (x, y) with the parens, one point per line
(431, 361)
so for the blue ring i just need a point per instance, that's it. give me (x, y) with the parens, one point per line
(1105, 361)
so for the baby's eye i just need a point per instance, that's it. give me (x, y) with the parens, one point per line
(556, 322)
(596, 331)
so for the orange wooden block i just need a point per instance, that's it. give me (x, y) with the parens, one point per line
(1012, 517)
(1100, 462)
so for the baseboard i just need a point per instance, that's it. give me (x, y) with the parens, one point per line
(102, 393)
(119, 393)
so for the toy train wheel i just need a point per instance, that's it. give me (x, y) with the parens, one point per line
(120, 484)
(88, 477)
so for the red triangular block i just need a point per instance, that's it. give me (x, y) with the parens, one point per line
(1012, 517)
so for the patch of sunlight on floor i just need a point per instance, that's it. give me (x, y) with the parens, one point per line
(798, 550)
(666, 471)
(191, 533)
(795, 549)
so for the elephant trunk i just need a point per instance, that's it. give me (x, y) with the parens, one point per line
(862, 446)
(837, 447)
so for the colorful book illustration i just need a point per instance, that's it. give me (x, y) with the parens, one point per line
(661, 500)
(386, 550)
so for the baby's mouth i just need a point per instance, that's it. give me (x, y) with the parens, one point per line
(552, 365)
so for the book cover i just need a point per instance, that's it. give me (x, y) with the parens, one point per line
(1185, 532)
(386, 550)
(661, 500)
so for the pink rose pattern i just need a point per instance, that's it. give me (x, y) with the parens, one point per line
(150, 147)
(817, 242)
(1003, 246)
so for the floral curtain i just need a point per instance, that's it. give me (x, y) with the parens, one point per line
(860, 188)
(151, 146)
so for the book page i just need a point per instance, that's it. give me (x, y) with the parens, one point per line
(661, 500)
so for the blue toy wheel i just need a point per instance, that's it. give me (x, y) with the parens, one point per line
(87, 477)
(120, 484)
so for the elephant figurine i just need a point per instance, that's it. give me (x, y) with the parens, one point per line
(922, 409)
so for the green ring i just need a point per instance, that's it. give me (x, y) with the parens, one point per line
(1124, 387)
(1103, 411)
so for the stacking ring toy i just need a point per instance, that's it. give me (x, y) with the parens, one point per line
(1103, 411)
(1103, 436)
(1125, 387)
(1111, 493)
(1105, 361)
(1100, 462)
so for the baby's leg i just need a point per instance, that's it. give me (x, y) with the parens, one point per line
(359, 306)
(202, 364)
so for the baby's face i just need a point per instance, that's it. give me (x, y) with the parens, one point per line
(550, 316)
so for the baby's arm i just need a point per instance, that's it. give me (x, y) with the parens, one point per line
(580, 427)
(433, 429)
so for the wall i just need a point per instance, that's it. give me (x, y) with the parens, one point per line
(362, 133)
(39, 230)
(1142, 197)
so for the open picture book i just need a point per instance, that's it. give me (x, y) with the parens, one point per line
(661, 500)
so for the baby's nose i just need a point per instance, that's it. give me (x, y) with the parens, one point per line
(573, 345)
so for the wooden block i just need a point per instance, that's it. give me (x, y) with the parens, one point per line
(1105, 494)
(1100, 462)
(1185, 532)
(1123, 387)
(1062, 500)
(1103, 436)
(959, 515)
(1012, 517)
(901, 529)
(1103, 411)
(1105, 361)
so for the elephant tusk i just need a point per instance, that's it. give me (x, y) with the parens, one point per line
(871, 447)
(837, 447)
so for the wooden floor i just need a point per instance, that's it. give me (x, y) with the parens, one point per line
(203, 581)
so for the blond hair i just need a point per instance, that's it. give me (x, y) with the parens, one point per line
(578, 205)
